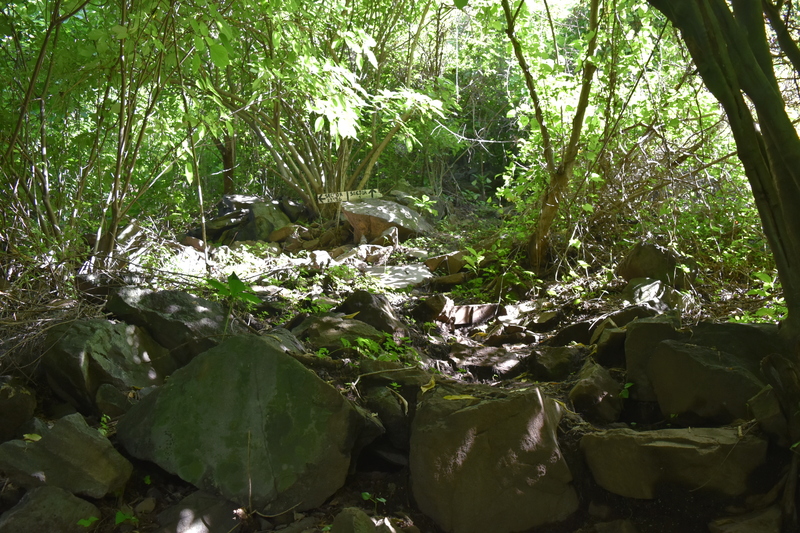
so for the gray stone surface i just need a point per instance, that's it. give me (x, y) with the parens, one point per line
(640, 342)
(371, 217)
(85, 354)
(635, 463)
(48, 509)
(328, 331)
(352, 520)
(700, 385)
(249, 423)
(70, 455)
(183, 323)
(491, 465)
(596, 394)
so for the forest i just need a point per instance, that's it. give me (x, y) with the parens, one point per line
(537, 145)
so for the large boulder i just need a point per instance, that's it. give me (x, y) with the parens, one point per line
(634, 464)
(643, 335)
(375, 310)
(85, 354)
(699, 385)
(181, 322)
(244, 218)
(48, 509)
(70, 455)
(647, 260)
(371, 217)
(249, 423)
(489, 465)
(596, 394)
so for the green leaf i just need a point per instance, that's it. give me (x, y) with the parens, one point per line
(763, 276)
(319, 123)
(219, 55)
(86, 522)
(460, 4)
(589, 208)
(236, 285)
(220, 287)
(120, 32)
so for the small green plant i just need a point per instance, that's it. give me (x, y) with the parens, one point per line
(425, 204)
(473, 259)
(121, 517)
(233, 291)
(625, 392)
(104, 428)
(367, 497)
(87, 522)
(323, 352)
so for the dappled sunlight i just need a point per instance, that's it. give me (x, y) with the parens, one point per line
(456, 461)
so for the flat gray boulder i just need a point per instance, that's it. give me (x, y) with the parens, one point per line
(634, 464)
(371, 217)
(85, 354)
(489, 465)
(700, 385)
(70, 455)
(48, 509)
(249, 423)
(181, 322)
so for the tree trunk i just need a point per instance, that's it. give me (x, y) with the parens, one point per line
(730, 48)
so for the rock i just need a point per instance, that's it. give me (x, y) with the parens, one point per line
(283, 340)
(765, 407)
(643, 335)
(352, 520)
(749, 343)
(471, 315)
(71, 456)
(366, 253)
(451, 263)
(392, 409)
(634, 464)
(17, 404)
(48, 509)
(328, 331)
(647, 260)
(111, 401)
(484, 361)
(700, 385)
(244, 218)
(249, 423)
(611, 347)
(200, 512)
(578, 333)
(390, 237)
(655, 294)
(596, 394)
(183, 323)
(375, 310)
(371, 217)
(400, 276)
(437, 307)
(455, 450)
(554, 363)
(85, 354)
(768, 520)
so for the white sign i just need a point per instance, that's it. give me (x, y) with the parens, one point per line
(346, 196)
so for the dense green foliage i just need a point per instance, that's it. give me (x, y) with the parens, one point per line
(138, 109)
